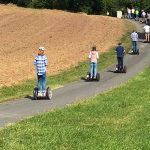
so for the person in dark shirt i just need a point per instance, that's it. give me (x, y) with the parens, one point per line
(120, 54)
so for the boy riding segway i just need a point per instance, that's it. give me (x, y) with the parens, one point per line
(120, 55)
(134, 38)
(40, 62)
(93, 56)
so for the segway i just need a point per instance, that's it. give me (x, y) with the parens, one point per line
(47, 96)
(135, 53)
(93, 79)
(119, 70)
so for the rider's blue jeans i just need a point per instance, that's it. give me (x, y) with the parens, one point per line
(120, 63)
(41, 82)
(93, 69)
(135, 46)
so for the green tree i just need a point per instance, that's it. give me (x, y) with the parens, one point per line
(145, 4)
(23, 3)
(88, 6)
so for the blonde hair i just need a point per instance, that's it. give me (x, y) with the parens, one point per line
(40, 52)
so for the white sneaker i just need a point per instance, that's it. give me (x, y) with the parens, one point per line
(43, 93)
(39, 94)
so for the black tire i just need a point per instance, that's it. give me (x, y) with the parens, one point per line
(35, 94)
(88, 76)
(116, 68)
(98, 77)
(49, 93)
(125, 69)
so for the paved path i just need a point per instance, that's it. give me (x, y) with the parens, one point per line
(13, 111)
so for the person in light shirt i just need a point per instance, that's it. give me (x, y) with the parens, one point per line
(143, 16)
(137, 15)
(132, 13)
(41, 62)
(93, 56)
(147, 33)
(134, 38)
(129, 13)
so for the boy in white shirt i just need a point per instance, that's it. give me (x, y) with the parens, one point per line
(143, 16)
(147, 33)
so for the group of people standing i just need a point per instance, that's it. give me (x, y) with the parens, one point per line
(133, 13)
(144, 17)
(134, 39)
(138, 15)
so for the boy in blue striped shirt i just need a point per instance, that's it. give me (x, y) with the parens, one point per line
(134, 38)
(41, 62)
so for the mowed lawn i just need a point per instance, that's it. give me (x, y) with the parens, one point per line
(116, 120)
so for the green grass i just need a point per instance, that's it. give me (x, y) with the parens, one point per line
(70, 75)
(116, 120)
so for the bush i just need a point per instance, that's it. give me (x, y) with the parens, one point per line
(23, 3)
(5, 1)
(60, 4)
(86, 9)
(38, 4)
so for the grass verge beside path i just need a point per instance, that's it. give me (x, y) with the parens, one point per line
(73, 74)
(115, 120)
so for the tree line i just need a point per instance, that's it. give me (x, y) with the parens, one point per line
(88, 6)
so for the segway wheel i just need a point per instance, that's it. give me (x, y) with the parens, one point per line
(97, 77)
(49, 93)
(116, 68)
(125, 69)
(88, 76)
(35, 94)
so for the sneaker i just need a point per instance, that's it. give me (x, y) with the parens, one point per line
(43, 93)
(39, 94)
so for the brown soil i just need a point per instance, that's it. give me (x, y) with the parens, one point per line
(67, 37)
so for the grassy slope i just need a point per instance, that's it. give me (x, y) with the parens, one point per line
(116, 120)
(67, 76)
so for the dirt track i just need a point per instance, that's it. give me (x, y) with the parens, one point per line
(67, 38)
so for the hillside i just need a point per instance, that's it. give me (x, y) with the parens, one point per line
(67, 38)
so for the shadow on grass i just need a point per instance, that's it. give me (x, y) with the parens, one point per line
(29, 97)
(83, 78)
(131, 53)
(113, 71)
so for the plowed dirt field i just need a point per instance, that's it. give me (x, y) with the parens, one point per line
(67, 38)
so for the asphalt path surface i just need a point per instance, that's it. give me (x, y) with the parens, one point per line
(16, 110)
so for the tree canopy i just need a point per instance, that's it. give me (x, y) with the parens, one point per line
(88, 6)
